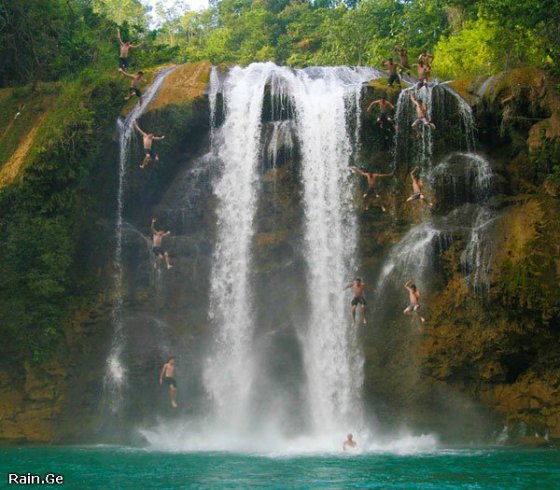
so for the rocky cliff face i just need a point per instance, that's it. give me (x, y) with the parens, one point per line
(487, 357)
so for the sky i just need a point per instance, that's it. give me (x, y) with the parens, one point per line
(194, 4)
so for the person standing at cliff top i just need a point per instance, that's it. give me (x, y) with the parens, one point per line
(358, 287)
(393, 75)
(167, 376)
(413, 300)
(159, 251)
(417, 189)
(349, 443)
(124, 49)
(403, 57)
(386, 108)
(423, 74)
(421, 116)
(371, 192)
(426, 58)
(134, 83)
(148, 139)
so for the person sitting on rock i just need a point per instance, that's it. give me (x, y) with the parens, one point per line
(421, 116)
(393, 75)
(148, 139)
(358, 299)
(134, 83)
(124, 48)
(371, 192)
(349, 443)
(157, 248)
(166, 376)
(417, 188)
(385, 116)
(413, 300)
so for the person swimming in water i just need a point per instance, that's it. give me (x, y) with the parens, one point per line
(417, 189)
(159, 251)
(413, 300)
(421, 115)
(349, 443)
(371, 192)
(125, 47)
(358, 287)
(167, 377)
(148, 139)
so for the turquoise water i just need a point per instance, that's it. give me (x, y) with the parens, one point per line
(122, 468)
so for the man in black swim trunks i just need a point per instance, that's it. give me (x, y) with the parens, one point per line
(166, 376)
(386, 108)
(135, 81)
(371, 192)
(124, 48)
(148, 139)
(159, 251)
(393, 75)
(358, 287)
(418, 189)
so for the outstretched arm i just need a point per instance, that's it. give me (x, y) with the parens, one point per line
(348, 286)
(386, 175)
(143, 134)
(359, 170)
(372, 104)
(153, 227)
(161, 375)
(119, 36)
(407, 285)
(159, 137)
(137, 45)
(125, 74)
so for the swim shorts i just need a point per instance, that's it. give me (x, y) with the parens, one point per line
(135, 91)
(150, 153)
(123, 63)
(358, 300)
(394, 78)
(417, 195)
(170, 381)
(159, 251)
(371, 192)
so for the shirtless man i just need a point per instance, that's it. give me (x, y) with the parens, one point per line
(124, 48)
(413, 297)
(386, 108)
(148, 140)
(349, 443)
(358, 299)
(393, 75)
(166, 376)
(423, 74)
(421, 117)
(159, 251)
(371, 193)
(403, 57)
(426, 58)
(417, 189)
(135, 81)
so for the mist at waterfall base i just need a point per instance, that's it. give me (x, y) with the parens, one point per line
(280, 368)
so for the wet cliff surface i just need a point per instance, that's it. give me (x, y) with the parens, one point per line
(486, 258)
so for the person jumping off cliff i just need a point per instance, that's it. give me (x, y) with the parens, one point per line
(159, 251)
(166, 376)
(393, 75)
(148, 139)
(417, 188)
(421, 116)
(358, 287)
(371, 192)
(386, 108)
(124, 48)
(413, 300)
(135, 81)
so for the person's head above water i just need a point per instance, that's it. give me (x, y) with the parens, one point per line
(349, 437)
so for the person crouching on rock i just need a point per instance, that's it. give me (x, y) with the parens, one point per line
(159, 251)
(166, 376)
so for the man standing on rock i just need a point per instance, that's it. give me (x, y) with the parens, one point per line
(124, 48)
(166, 376)
(159, 251)
(358, 299)
(148, 141)
(371, 192)
(393, 75)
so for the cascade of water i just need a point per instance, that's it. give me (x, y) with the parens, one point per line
(115, 373)
(229, 370)
(279, 144)
(333, 361)
(467, 117)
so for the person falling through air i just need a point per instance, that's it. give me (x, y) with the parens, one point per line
(166, 377)
(124, 49)
(421, 116)
(134, 83)
(159, 251)
(413, 300)
(148, 139)
(417, 188)
(349, 443)
(371, 192)
(358, 287)
(386, 108)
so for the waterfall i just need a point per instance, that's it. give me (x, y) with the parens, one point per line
(115, 371)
